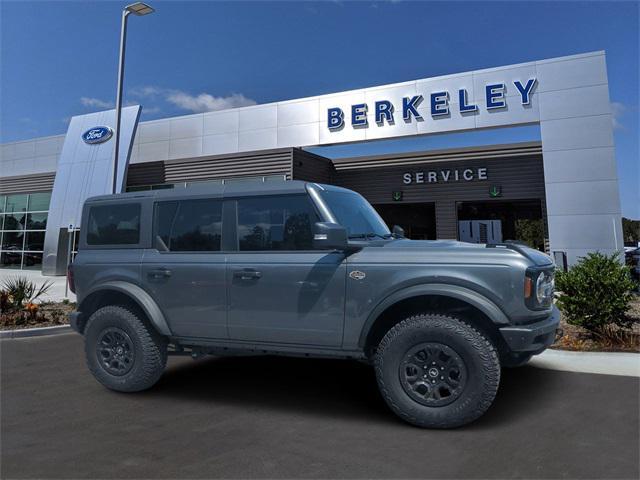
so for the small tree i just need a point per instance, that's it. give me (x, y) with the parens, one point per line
(595, 293)
(531, 232)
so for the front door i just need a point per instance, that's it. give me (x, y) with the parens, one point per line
(280, 289)
(186, 271)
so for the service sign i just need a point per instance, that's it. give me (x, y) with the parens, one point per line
(445, 176)
(438, 104)
(97, 135)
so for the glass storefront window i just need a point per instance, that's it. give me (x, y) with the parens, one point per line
(23, 221)
(16, 203)
(32, 261)
(37, 221)
(10, 259)
(34, 241)
(12, 240)
(14, 221)
(39, 202)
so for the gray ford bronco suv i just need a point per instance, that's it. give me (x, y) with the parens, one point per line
(303, 269)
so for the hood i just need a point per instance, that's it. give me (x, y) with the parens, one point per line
(534, 256)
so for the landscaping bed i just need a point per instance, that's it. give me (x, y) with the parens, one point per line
(45, 314)
(21, 305)
(614, 339)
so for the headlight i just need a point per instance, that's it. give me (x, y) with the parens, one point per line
(544, 288)
(538, 288)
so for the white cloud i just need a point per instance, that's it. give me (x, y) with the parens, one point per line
(205, 102)
(146, 91)
(617, 110)
(95, 103)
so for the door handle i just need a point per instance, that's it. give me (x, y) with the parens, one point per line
(247, 274)
(160, 273)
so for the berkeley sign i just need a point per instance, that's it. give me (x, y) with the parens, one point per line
(384, 110)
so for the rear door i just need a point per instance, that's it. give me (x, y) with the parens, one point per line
(185, 272)
(280, 289)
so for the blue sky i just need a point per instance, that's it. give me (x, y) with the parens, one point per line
(59, 58)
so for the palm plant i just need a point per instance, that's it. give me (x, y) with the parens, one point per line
(21, 291)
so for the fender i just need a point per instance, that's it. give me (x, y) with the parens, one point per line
(142, 298)
(467, 295)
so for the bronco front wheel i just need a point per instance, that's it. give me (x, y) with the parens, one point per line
(437, 371)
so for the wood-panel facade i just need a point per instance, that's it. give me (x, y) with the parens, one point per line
(443, 178)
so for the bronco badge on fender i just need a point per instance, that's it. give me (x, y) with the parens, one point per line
(357, 275)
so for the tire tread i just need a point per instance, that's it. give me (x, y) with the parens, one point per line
(479, 343)
(153, 351)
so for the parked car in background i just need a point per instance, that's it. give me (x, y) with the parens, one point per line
(632, 259)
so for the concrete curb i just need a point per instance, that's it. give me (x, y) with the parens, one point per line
(606, 363)
(36, 332)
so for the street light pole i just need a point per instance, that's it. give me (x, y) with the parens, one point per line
(137, 9)
(123, 41)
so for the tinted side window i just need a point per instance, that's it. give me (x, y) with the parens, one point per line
(188, 225)
(115, 224)
(276, 223)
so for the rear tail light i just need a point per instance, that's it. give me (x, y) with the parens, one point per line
(71, 279)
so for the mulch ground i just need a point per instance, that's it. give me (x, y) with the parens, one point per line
(49, 314)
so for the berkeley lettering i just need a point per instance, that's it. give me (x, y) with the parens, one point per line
(439, 105)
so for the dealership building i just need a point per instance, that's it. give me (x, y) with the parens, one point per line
(558, 194)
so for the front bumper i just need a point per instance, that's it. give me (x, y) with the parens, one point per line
(534, 337)
(74, 321)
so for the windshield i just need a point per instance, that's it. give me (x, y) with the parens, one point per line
(355, 214)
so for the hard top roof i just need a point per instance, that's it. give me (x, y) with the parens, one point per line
(228, 189)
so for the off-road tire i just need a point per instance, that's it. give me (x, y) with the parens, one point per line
(148, 346)
(515, 360)
(476, 351)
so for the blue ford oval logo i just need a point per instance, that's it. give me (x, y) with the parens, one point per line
(97, 135)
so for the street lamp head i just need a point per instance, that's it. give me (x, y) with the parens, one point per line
(139, 9)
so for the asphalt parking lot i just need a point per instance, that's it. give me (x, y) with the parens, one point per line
(270, 417)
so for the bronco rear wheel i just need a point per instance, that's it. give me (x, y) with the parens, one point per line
(122, 352)
(437, 371)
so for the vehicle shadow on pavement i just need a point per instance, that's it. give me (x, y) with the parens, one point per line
(337, 388)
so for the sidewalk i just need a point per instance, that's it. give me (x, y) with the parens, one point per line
(608, 363)
(56, 292)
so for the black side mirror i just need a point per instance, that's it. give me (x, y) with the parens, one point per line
(397, 231)
(329, 236)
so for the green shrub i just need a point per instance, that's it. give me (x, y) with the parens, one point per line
(595, 292)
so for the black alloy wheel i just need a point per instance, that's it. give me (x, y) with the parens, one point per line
(115, 351)
(433, 374)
